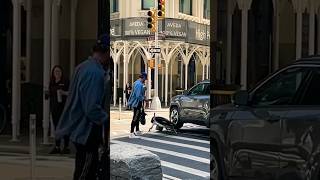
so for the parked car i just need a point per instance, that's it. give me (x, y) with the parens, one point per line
(271, 131)
(192, 106)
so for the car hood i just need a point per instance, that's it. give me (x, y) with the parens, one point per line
(174, 98)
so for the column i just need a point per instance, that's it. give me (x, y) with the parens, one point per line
(181, 70)
(74, 4)
(311, 28)
(16, 52)
(171, 82)
(28, 9)
(55, 33)
(186, 76)
(115, 64)
(162, 82)
(299, 35)
(244, 48)
(299, 7)
(132, 70)
(244, 5)
(276, 37)
(46, 68)
(203, 71)
(166, 84)
(208, 71)
(196, 72)
(125, 59)
(149, 83)
(119, 72)
(125, 79)
(319, 31)
(229, 41)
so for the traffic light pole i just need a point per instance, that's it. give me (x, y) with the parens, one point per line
(156, 103)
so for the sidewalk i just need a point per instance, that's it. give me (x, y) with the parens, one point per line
(120, 123)
(119, 126)
(22, 146)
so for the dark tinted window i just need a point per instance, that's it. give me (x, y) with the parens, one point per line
(207, 89)
(281, 89)
(311, 95)
(197, 90)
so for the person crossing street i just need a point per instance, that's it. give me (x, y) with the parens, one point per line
(136, 102)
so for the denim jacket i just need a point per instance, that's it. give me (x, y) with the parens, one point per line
(137, 94)
(84, 107)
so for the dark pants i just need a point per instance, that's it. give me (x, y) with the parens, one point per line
(135, 119)
(56, 113)
(87, 156)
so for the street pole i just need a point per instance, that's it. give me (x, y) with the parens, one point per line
(32, 136)
(156, 104)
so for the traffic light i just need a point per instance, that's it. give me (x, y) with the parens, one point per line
(152, 20)
(151, 63)
(161, 8)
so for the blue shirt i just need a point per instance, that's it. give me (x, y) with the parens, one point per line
(137, 94)
(85, 104)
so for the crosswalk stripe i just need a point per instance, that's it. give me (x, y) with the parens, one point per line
(177, 154)
(185, 169)
(176, 144)
(181, 138)
(167, 177)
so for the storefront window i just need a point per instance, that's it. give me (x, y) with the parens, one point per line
(114, 6)
(185, 7)
(147, 4)
(206, 9)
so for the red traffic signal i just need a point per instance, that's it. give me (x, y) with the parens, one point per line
(161, 8)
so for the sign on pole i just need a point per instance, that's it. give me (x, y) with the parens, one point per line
(155, 50)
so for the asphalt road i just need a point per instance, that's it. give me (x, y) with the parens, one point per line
(183, 156)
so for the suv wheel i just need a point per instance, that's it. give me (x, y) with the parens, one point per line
(175, 118)
(215, 167)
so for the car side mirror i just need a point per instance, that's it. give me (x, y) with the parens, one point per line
(241, 98)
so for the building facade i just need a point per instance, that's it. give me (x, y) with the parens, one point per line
(255, 38)
(184, 37)
(39, 35)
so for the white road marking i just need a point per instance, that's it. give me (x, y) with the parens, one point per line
(164, 151)
(182, 138)
(176, 144)
(185, 169)
(167, 177)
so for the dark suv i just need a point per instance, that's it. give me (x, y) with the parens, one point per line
(271, 131)
(192, 106)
